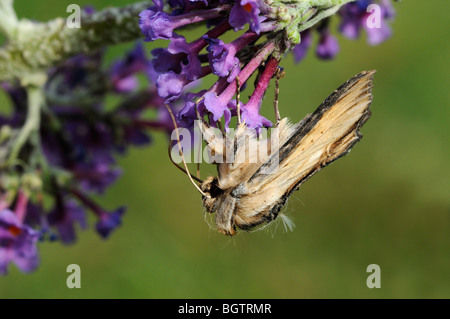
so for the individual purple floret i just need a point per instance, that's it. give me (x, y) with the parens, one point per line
(217, 107)
(109, 222)
(328, 46)
(301, 49)
(123, 72)
(64, 216)
(355, 16)
(250, 111)
(222, 57)
(17, 243)
(247, 11)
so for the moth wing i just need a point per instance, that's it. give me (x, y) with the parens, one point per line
(324, 136)
(247, 151)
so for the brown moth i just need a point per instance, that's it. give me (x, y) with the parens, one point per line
(251, 193)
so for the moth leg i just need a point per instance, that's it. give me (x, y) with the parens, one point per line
(199, 118)
(238, 95)
(198, 156)
(278, 75)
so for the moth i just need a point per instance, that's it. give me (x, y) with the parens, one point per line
(246, 194)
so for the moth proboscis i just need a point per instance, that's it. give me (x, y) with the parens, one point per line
(250, 193)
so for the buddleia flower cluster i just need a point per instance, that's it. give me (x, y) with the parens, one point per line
(270, 29)
(46, 195)
(49, 176)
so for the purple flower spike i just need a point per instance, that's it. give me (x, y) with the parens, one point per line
(246, 11)
(17, 244)
(64, 216)
(301, 49)
(109, 221)
(328, 46)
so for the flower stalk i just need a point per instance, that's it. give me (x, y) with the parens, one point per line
(30, 129)
(8, 18)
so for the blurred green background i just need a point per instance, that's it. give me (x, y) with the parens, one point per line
(387, 203)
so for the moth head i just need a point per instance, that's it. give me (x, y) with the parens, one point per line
(211, 188)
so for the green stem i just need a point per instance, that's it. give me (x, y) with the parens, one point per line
(8, 17)
(32, 123)
(321, 15)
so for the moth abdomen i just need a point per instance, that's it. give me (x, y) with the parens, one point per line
(249, 223)
(278, 206)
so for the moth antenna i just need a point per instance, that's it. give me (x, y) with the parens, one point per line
(278, 76)
(181, 152)
(238, 96)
